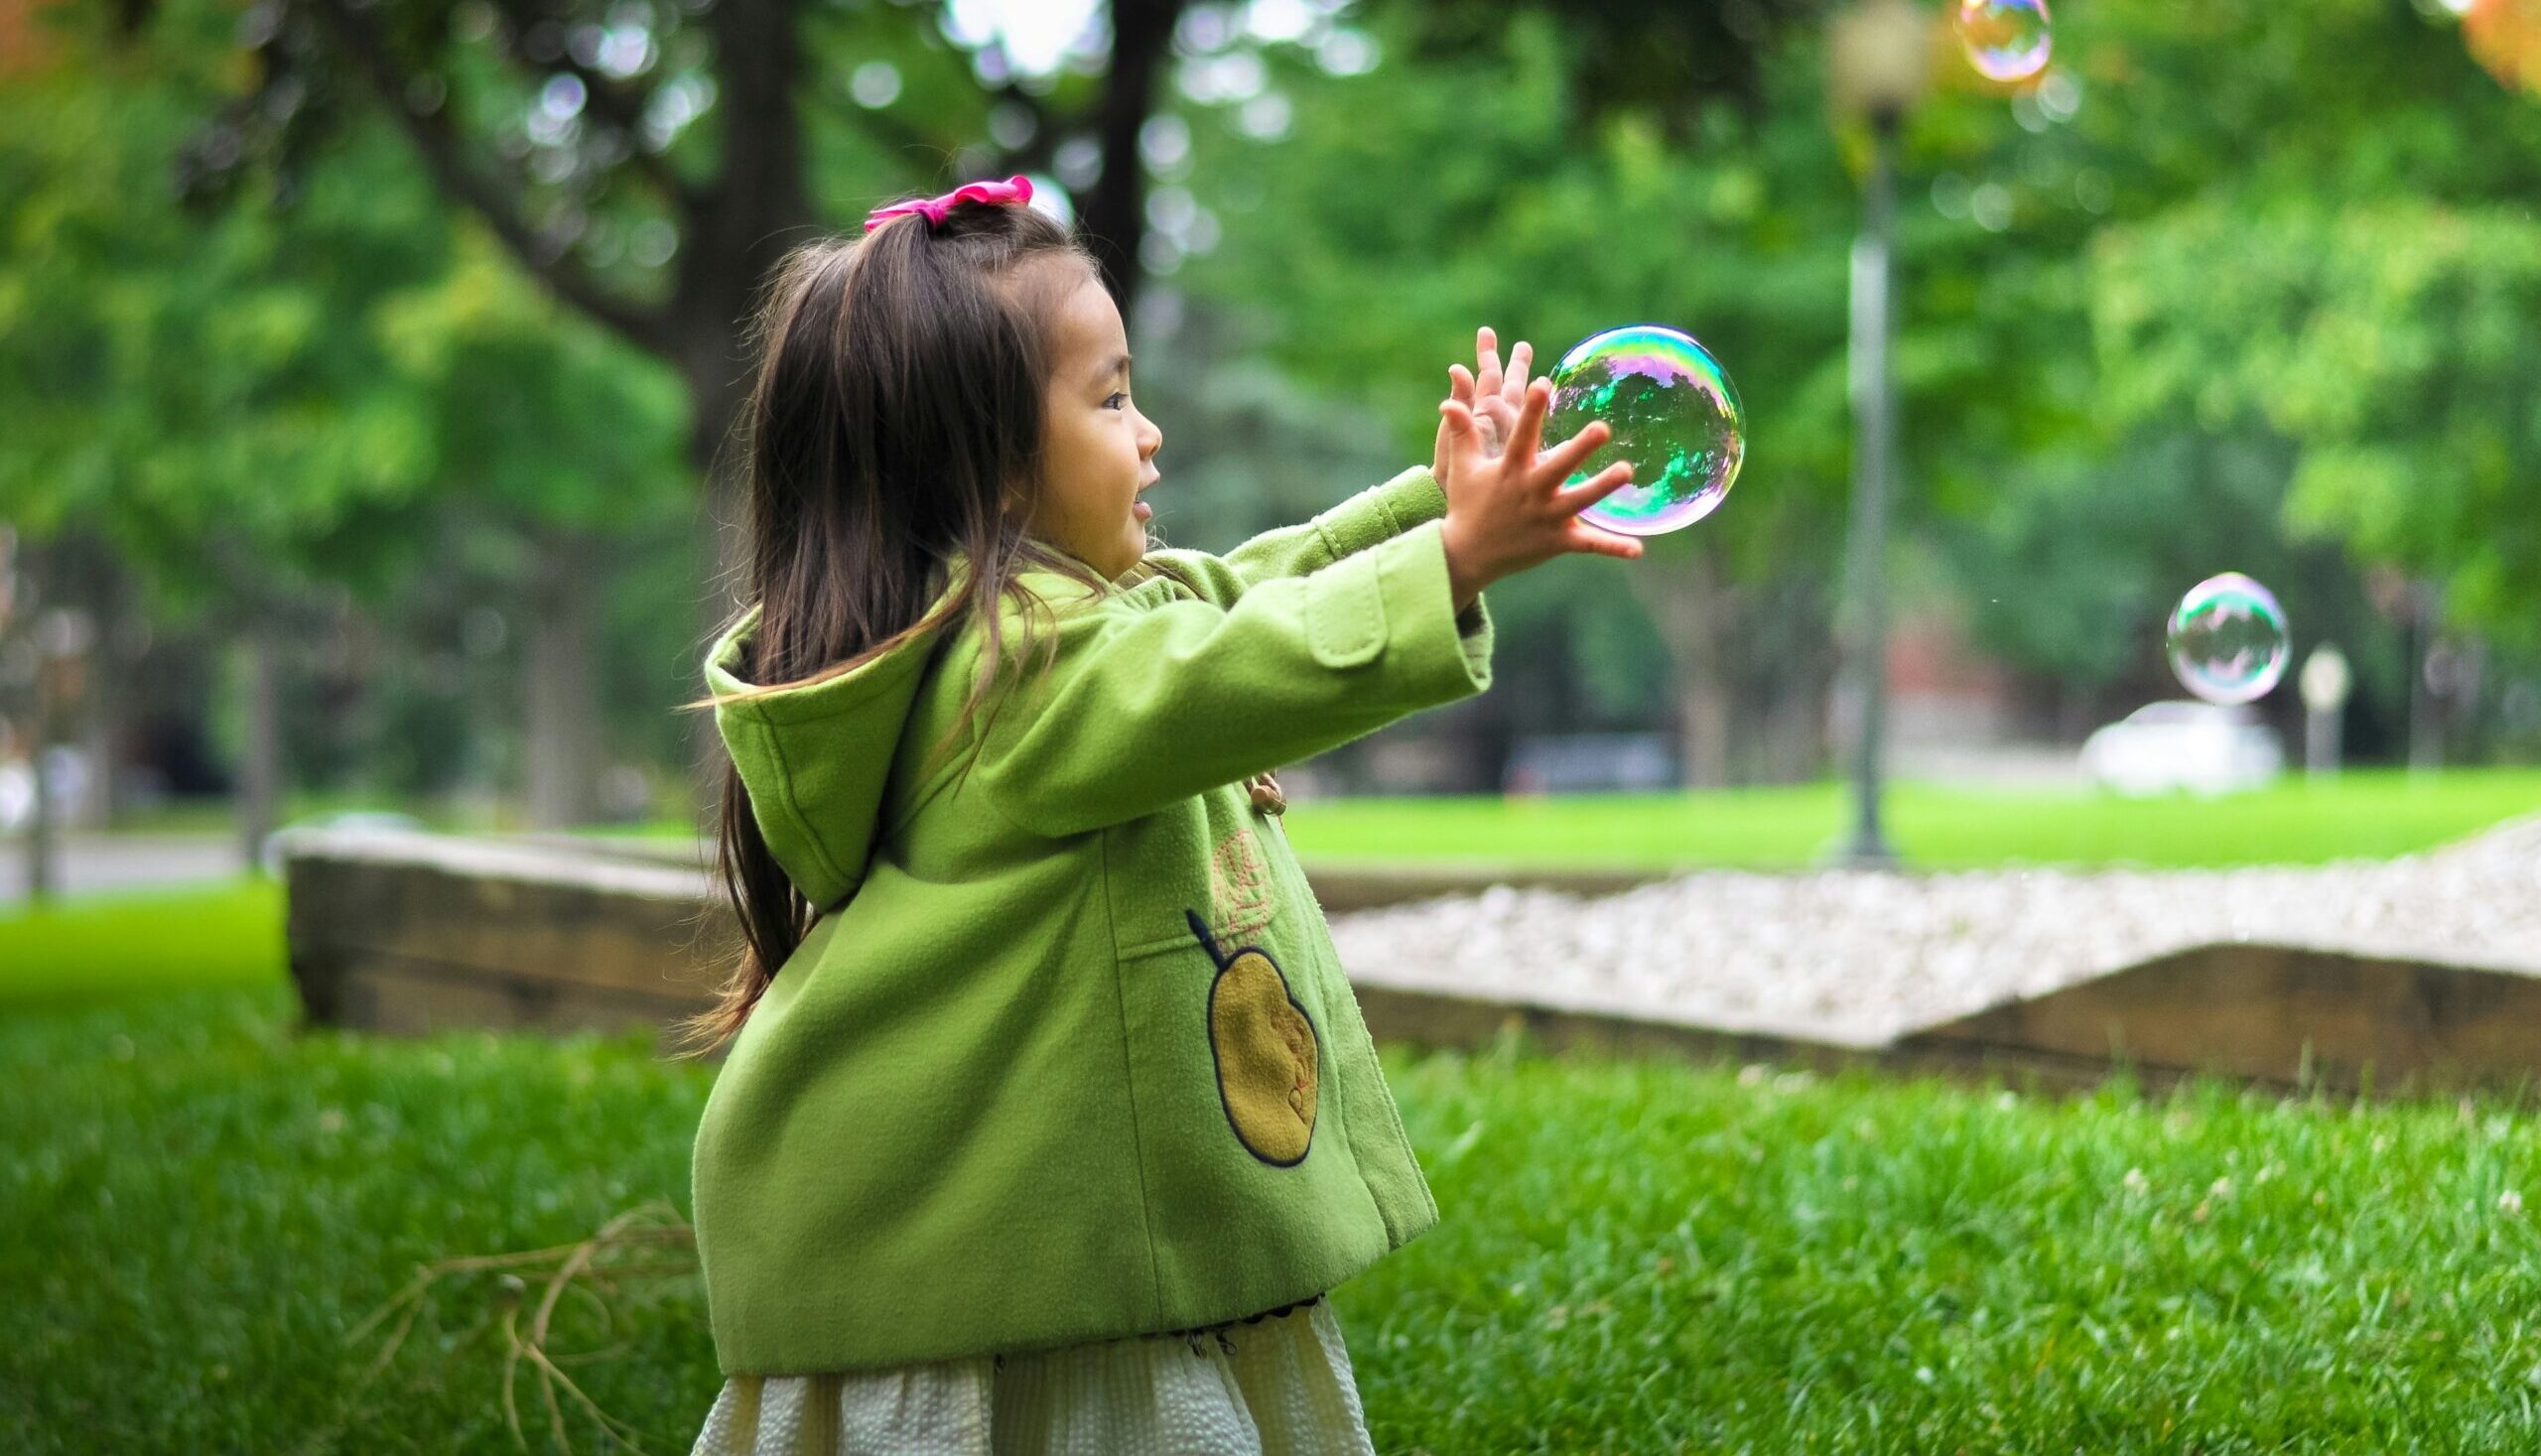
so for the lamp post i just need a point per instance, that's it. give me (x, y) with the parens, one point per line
(1878, 64)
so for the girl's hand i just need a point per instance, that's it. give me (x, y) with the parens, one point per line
(1509, 513)
(1494, 399)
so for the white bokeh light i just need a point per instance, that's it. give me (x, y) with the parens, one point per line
(1280, 20)
(1037, 34)
(1051, 199)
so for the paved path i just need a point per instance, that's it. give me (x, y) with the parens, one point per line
(90, 864)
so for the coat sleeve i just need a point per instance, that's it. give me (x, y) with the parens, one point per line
(1378, 514)
(1143, 705)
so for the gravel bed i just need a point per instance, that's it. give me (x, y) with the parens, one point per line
(1858, 958)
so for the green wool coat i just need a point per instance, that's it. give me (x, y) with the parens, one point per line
(1068, 1055)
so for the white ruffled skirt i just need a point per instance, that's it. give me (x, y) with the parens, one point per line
(1276, 1384)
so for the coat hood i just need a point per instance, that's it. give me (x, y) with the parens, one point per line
(817, 759)
(814, 758)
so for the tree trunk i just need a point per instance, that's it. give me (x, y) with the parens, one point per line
(1783, 667)
(562, 694)
(43, 831)
(1695, 611)
(723, 562)
(103, 694)
(1702, 730)
(260, 749)
(1792, 746)
(1113, 218)
(756, 211)
(2426, 723)
(101, 732)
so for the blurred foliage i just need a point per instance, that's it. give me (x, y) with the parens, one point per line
(1409, 204)
(2072, 487)
(342, 398)
(2394, 342)
(2233, 286)
(195, 387)
(2279, 265)
(238, 393)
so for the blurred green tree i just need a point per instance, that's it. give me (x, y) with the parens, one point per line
(2392, 341)
(183, 391)
(1416, 202)
(277, 417)
(2258, 279)
(648, 161)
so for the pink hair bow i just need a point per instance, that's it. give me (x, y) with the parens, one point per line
(1015, 190)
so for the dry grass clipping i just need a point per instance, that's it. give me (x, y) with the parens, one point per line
(614, 1254)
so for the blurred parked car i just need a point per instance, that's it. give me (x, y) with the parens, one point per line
(271, 851)
(1578, 763)
(2203, 748)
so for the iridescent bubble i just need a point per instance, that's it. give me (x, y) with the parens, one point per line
(2228, 639)
(2006, 39)
(1676, 416)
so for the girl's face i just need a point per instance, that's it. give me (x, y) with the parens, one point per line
(1094, 445)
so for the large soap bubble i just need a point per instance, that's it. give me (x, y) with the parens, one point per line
(2006, 39)
(1676, 416)
(2228, 639)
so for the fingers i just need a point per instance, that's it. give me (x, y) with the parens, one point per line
(1460, 385)
(1521, 354)
(1462, 438)
(1588, 538)
(1529, 433)
(1605, 483)
(1486, 348)
(1565, 459)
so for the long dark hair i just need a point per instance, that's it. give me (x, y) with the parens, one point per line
(895, 419)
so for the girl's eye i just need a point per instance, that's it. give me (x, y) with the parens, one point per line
(1109, 405)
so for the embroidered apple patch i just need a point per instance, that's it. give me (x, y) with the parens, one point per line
(1265, 1049)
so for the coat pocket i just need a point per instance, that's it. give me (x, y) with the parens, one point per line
(1345, 611)
(1217, 1022)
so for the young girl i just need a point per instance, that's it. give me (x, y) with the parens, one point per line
(1048, 1116)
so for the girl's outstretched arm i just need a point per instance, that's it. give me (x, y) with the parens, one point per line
(1378, 514)
(1148, 702)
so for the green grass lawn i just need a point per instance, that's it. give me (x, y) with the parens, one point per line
(90, 947)
(2373, 813)
(1634, 1256)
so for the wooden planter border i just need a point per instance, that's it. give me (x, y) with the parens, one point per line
(412, 933)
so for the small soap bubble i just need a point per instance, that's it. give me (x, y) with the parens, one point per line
(2228, 639)
(2505, 37)
(2006, 39)
(1674, 414)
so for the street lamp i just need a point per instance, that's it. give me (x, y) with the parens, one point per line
(1879, 55)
